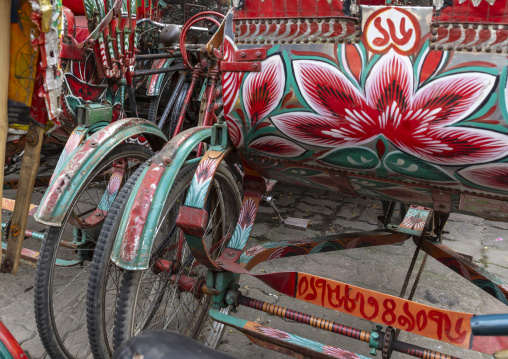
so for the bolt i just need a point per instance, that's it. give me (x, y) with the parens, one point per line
(166, 161)
(93, 144)
(255, 66)
(242, 55)
(32, 138)
(98, 214)
(16, 230)
(258, 54)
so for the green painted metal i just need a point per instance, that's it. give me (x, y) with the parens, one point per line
(35, 235)
(203, 88)
(164, 186)
(221, 281)
(374, 339)
(59, 262)
(156, 89)
(93, 113)
(65, 185)
(193, 161)
(226, 319)
(4, 352)
(295, 340)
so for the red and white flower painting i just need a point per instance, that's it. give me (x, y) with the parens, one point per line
(416, 119)
(262, 91)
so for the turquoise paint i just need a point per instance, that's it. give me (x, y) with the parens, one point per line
(484, 109)
(414, 167)
(502, 95)
(4, 352)
(272, 50)
(351, 157)
(54, 213)
(288, 337)
(142, 257)
(367, 69)
(342, 49)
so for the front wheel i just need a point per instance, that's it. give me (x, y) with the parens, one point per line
(166, 295)
(63, 267)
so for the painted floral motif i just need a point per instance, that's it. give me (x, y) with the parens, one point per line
(417, 122)
(341, 353)
(278, 146)
(244, 225)
(262, 91)
(490, 176)
(200, 183)
(231, 83)
(274, 333)
(307, 343)
(251, 252)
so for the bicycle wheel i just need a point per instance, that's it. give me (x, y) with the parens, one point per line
(155, 298)
(170, 124)
(157, 103)
(103, 281)
(62, 270)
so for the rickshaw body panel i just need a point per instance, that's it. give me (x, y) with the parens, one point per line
(65, 184)
(396, 105)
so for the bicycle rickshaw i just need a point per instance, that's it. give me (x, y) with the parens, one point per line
(401, 103)
(89, 52)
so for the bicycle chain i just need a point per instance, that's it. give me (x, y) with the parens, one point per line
(387, 343)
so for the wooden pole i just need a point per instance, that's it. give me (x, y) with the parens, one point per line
(5, 42)
(29, 169)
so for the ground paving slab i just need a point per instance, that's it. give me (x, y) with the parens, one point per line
(377, 268)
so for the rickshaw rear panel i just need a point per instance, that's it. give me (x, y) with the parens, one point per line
(398, 103)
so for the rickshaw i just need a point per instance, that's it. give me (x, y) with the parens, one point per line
(385, 100)
(87, 54)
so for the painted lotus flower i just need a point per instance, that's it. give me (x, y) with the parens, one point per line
(416, 119)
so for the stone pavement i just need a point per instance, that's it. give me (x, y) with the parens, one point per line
(378, 268)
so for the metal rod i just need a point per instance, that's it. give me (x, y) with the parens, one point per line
(192, 161)
(160, 24)
(159, 71)
(132, 97)
(172, 100)
(165, 55)
(190, 90)
(305, 318)
(334, 327)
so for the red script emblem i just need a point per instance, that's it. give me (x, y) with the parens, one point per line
(392, 28)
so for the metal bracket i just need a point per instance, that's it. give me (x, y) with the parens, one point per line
(250, 55)
(220, 136)
(240, 66)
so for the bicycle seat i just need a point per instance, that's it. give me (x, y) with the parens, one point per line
(162, 343)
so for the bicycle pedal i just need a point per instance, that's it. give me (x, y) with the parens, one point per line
(296, 223)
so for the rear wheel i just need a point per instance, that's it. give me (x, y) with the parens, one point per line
(104, 279)
(155, 298)
(66, 253)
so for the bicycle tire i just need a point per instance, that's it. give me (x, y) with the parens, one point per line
(100, 273)
(128, 300)
(51, 284)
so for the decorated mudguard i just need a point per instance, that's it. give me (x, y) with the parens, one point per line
(9, 347)
(83, 159)
(403, 104)
(145, 204)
